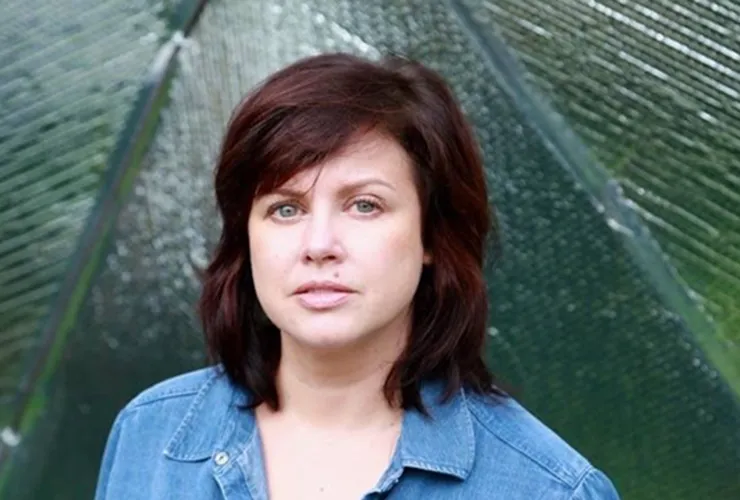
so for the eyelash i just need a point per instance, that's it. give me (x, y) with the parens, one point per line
(370, 201)
(277, 206)
(272, 210)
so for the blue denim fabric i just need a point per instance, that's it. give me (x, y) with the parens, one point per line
(187, 438)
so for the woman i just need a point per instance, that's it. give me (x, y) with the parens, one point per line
(345, 308)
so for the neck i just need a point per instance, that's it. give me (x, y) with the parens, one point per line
(337, 388)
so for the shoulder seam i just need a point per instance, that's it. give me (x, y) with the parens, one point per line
(175, 387)
(154, 398)
(587, 472)
(559, 477)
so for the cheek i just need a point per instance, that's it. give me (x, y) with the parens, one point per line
(268, 262)
(397, 251)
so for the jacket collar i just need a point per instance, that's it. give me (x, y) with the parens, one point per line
(216, 422)
(444, 442)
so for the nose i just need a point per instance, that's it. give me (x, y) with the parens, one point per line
(321, 240)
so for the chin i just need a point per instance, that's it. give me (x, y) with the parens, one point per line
(324, 342)
(323, 336)
(320, 333)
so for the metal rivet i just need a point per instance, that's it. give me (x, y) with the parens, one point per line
(221, 458)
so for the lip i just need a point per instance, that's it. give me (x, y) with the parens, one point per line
(322, 286)
(322, 295)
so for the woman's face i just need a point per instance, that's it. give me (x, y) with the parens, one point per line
(336, 252)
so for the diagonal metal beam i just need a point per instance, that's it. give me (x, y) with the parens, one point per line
(123, 166)
(605, 192)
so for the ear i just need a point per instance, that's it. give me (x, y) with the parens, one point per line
(427, 258)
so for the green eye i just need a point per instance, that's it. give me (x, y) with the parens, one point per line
(286, 211)
(365, 207)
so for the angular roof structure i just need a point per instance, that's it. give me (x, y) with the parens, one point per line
(610, 131)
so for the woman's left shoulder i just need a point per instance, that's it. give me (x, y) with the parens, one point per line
(513, 441)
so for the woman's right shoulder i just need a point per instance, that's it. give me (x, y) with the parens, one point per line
(162, 407)
(183, 388)
(166, 425)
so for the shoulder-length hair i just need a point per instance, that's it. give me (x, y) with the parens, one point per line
(299, 117)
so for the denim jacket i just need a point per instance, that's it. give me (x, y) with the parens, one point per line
(189, 438)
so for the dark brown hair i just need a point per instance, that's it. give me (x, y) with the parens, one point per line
(299, 117)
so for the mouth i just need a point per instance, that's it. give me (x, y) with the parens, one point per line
(322, 295)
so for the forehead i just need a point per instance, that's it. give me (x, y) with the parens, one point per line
(371, 156)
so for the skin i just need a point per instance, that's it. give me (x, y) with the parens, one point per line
(354, 220)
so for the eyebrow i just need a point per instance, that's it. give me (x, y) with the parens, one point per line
(344, 190)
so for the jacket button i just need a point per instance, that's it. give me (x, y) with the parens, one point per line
(221, 458)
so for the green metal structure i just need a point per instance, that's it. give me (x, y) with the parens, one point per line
(610, 133)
